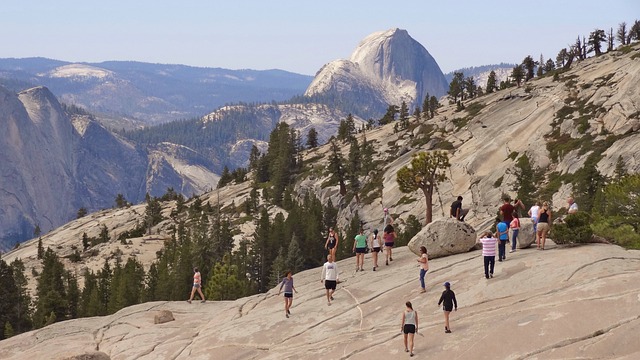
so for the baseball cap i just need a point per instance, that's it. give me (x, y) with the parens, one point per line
(386, 210)
(447, 284)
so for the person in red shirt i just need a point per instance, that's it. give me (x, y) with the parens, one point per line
(506, 211)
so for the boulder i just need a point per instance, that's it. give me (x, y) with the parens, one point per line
(93, 355)
(163, 316)
(526, 237)
(444, 237)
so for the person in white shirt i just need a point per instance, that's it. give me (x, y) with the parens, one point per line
(573, 207)
(534, 212)
(329, 277)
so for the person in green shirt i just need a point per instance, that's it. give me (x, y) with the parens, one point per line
(360, 248)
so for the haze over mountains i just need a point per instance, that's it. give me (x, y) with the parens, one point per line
(386, 68)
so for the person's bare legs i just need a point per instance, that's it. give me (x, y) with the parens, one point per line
(374, 255)
(201, 294)
(193, 292)
(446, 320)
(544, 238)
(411, 343)
(361, 262)
(333, 253)
(406, 348)
(538, 239)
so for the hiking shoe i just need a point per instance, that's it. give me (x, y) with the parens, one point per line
(512, 251)
(331, 298)
(390, 259)
(203, 301)
(189, 301)
(288, 312)
(386, 263)
(374, 268)
(491, 275)
(287, 315)
(447, 331)
(423, 291)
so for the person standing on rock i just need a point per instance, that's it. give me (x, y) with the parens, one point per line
(329, 277)
(503, 236)
(197, 285)
(515, 228)
(424, 267)
(287, 283)
(534, 213)
(409, 327)
(389, 239)
(573, 207)
(488, 253)
(332, 243)
(387, 219)
(544, 225)
(506, 211)
(360, 248)
(449, 303)
(375, 244)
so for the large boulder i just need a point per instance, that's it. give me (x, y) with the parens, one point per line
(526, 236)
(163, 316)
(444, 237)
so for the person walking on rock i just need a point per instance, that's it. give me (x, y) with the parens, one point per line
(332, 243)
(375, 244)
(544, 225)
(330, 277)
(488, 253)
(287, 283)
(503, 236)
(409, 327)
(424, 267)
(360, 248)
(449, 303)
(389, 239)
(387, 219)
(515, 228)
(197, 286)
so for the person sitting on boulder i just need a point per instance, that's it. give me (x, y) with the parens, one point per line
(457, 211)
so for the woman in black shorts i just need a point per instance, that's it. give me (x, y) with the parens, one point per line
(332, 243)
(389, 239)
(448, 297)
(409, 326)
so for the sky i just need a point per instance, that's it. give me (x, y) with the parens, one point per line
(297, 36)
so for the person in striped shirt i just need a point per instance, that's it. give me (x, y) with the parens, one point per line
(489, 253)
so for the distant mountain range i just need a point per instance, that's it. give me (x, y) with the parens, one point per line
(80, 163)
(147, 93)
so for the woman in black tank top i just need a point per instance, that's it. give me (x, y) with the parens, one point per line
(544, 225)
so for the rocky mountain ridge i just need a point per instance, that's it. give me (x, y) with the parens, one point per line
(54, 163)
(146, 93)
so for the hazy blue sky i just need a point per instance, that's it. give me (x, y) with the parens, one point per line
(298, 36)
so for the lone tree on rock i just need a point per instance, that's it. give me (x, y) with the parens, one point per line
(425, 172)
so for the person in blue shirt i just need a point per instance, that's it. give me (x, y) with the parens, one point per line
(503, 236)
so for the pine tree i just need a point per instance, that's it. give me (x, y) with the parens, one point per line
(426, 107)
(295, 260)
(226, 283)
(620, 171)
(37, 231)
(82, 212)
(336, 167)
(425, 172)
(540, 71)
(121, 201)
(355, 168)
(22, 311)
(529, 66)
(85, 241)
(621, 34)
(518, 74)
(51, 291)
(403, 115)
(40, 249)
(312, 138)
(277, 268)
(596, 38)
(433, 106)
(561, 59)
(492, 82)
(73, 295)
(456, 87)
(225, 178)
(9, 298)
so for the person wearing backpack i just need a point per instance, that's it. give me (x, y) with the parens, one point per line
(375, 244)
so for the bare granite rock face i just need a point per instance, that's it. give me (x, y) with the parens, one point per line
(444, 237)
(561, 303)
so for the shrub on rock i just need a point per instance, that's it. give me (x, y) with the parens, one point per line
(576, 229)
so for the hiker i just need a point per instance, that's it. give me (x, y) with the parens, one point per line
(573, 207)
(448, 299)
(389, 239)
(375, 244)
(360, 248)
(457, 211)
(533, 213)
(330, 277)
(387, 220)
(197, 285)
(332, 243)
(506, 211)
(503, 237)
(287, 283)
(488, 253)
(544, 225)
(409, 326)
(515, 228)
(424, 266)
